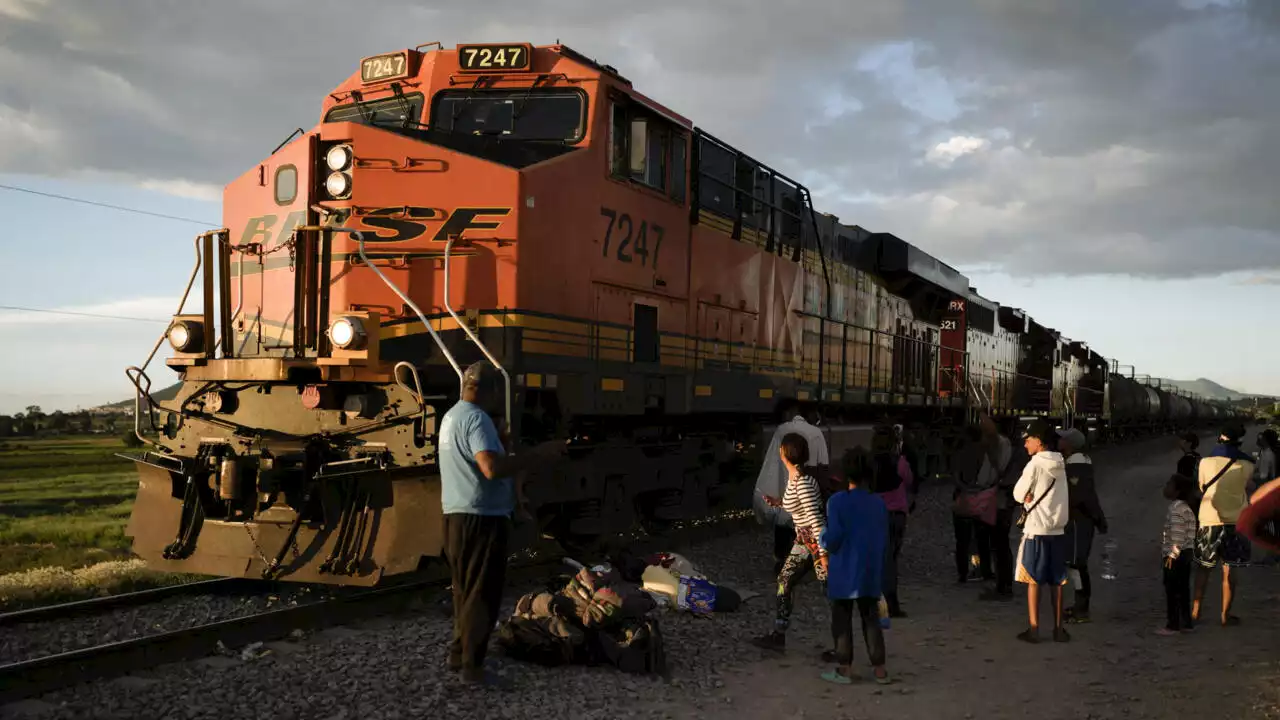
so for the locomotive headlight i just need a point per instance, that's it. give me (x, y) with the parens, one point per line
(338, 184)
(347, 333)
(186, 336)
(339, 157)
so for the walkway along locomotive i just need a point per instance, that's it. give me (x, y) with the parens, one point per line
(649, 293)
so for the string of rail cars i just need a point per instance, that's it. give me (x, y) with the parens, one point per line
(648, 292)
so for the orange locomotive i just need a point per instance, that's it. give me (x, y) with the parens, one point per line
(649, 293)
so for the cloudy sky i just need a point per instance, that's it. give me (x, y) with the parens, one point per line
(1104, 164)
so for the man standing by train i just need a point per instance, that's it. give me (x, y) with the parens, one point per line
(478, 498)
(772, 480)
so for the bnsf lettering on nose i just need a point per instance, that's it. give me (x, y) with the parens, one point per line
(386, 225)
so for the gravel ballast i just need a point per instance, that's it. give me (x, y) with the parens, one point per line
(394, 667)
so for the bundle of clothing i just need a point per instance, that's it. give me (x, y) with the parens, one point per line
(676, 583)
(597, 618)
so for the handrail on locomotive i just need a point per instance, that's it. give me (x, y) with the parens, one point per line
(221, 347)
(137, 374)
(448, 305)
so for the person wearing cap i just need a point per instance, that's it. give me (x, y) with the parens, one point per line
(1225, 475)
(477, 496)
(1084, 519)
(1042, 554)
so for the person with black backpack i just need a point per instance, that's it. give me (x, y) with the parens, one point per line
(895, 485)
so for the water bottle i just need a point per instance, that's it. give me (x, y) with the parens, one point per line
(1109, 559)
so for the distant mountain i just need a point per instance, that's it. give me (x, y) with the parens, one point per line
(161, 395)
(1210, 389)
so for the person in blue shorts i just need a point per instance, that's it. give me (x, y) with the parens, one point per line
(1042, 552)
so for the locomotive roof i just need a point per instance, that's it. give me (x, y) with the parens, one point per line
(895, 256)
(975, 298)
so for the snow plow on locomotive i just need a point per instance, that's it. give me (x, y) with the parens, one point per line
(648, 292)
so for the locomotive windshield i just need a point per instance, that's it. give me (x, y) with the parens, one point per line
(391, 113)
(540, 115)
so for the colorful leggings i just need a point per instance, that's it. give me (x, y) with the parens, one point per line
(803, 558)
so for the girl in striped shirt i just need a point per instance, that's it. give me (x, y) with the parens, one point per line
(803, 501)
(1177, 544)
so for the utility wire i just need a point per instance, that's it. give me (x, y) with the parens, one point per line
(122, 208)
(81, 314)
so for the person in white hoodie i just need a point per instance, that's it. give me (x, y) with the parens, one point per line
(772, 480)
(1042, 553)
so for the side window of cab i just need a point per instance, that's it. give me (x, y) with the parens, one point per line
(647, 149)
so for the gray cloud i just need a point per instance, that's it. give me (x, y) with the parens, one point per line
(1072, 136)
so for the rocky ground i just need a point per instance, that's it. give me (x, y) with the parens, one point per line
(954, 657)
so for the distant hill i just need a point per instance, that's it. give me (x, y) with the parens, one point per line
(1210, 389)
(161, 395)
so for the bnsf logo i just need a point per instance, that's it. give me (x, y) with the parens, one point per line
(384, 225)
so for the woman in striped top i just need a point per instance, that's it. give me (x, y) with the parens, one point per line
(803, 501)
(1177, 544)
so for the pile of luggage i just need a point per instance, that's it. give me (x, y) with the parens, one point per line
(597, 618)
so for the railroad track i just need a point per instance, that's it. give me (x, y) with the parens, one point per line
(41, 675)
(93, 606)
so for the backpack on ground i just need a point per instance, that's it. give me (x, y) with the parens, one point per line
(533, 640)
(637, 648)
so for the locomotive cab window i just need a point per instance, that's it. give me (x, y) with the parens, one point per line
(546, 115)
(390, 113)
(647, 149)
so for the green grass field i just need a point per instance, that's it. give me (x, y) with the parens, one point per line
(64, 502)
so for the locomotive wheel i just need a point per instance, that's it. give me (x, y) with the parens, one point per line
(581, 547)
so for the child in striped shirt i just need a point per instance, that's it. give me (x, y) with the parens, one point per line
(804, 502)
(1176, 549)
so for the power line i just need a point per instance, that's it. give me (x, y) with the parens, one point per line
(106, 205)
(81, 314)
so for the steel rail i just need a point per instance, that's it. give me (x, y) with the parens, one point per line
(53, 672)
(93, 606)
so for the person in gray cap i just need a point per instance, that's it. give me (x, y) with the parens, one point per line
(1086, 517)
(477, 496)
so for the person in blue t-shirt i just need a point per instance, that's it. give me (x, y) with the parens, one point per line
(857, 541)
(478, 499)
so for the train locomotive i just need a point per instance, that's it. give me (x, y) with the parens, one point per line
(649, 293)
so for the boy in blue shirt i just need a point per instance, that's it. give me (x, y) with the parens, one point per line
(856, 540)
